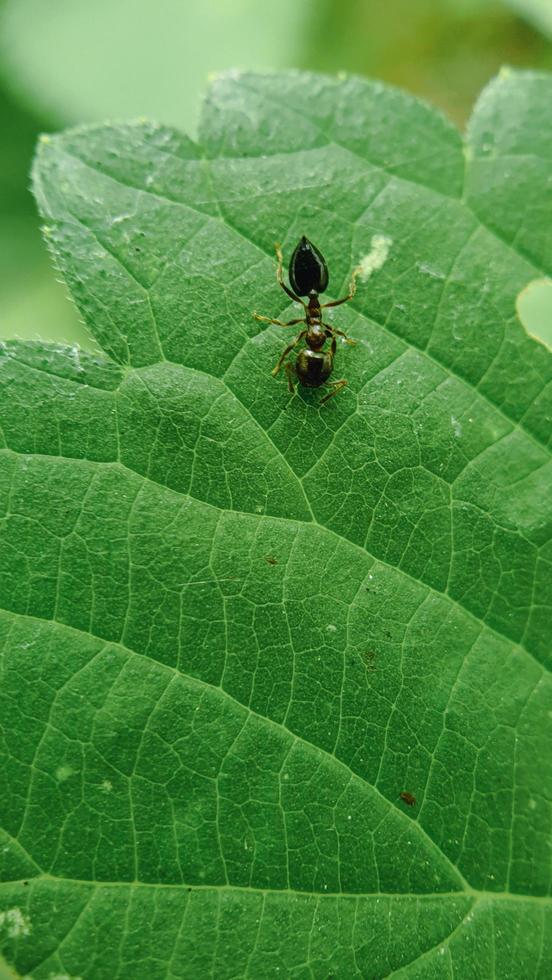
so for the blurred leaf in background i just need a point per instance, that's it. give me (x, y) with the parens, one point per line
(444, 52)
(534, 308)
(116, 59)
(68, 61)
(537, 12)
(33, 304)
(5, 972)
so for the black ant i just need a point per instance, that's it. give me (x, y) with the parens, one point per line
(308, 275)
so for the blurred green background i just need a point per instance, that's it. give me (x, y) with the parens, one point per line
(68, 61)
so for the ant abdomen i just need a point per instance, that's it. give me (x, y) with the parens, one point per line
(308, 272)
(313, 367)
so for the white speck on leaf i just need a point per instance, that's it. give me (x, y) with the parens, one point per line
(457, 426)
(15, 923)
(63, 773)
(75, 354)
(376, 257)
(125, 217)
(331, 628)
(62, 976)
(430, 270)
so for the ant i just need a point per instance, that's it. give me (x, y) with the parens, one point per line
(308, 275)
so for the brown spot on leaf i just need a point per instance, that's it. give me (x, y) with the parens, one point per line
(408, 798)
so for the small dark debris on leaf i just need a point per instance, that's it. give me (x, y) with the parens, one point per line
(270, 559)
(408, 798)
(369, 658)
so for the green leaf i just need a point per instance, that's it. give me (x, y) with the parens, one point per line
(237, 626)
(509, 149)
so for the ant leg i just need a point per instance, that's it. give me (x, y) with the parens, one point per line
(279, 323)
(350, 294)
(287, 351)
(290, 371)
(337, 386)
(280, 276)
(332, 331)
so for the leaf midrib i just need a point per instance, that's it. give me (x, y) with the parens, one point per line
(248, 889)
(468, 892)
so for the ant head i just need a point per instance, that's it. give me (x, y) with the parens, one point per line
(308, 272)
